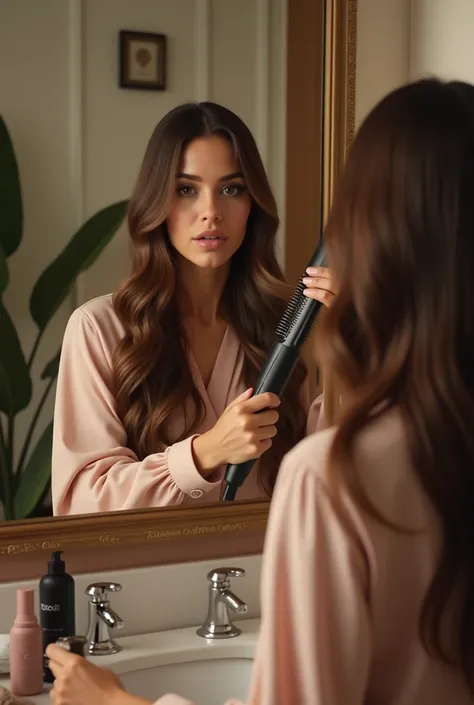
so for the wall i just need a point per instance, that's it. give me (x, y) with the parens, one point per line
(80, 139)
(35, 103)
(383, 45)
(402, 40)
(441, 41)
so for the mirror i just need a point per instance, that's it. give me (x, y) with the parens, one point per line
(79, 127)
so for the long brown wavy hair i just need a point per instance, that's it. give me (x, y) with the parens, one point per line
(400, 333)
(151, 369)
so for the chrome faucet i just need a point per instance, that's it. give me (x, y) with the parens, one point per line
(218, 624)
(101, 618)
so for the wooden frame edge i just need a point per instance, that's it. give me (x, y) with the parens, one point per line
(129, 528)
(340, 91)
(304, 128)
(337, 57)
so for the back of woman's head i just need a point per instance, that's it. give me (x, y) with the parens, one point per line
(255, 293)
(400, 239)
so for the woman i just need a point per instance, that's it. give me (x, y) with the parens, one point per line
(154, 388)
(371, 532)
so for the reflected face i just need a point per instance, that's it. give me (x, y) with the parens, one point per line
(211, 205)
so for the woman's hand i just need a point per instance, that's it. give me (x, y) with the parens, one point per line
(79, 682)
(319, 285)
(240, 434)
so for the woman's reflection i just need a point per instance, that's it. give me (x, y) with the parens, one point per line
(154, 388)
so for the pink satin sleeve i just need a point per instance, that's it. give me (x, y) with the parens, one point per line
(93, 470)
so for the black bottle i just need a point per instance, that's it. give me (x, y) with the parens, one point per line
(57, 606)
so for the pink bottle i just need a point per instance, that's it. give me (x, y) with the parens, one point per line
(26, 649)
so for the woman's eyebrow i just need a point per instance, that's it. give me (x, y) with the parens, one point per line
(194, 177)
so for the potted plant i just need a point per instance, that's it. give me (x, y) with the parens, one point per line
(24, 482)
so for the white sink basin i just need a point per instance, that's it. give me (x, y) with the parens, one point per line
(209, 682)
(179, 661)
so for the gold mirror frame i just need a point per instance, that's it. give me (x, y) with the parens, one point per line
(143, 530)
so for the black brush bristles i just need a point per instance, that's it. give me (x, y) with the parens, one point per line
(300, 312)
(291, 311)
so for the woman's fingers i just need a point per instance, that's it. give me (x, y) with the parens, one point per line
(319, 285)
(325, 297)
(323, 272)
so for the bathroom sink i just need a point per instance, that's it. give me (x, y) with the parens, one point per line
(207, 671)
(207, 682)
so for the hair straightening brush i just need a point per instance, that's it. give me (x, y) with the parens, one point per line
(292, 331)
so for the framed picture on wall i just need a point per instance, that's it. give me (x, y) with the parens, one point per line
(142, 60)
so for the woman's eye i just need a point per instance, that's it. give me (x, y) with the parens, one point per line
(233, 190)
(186, 190)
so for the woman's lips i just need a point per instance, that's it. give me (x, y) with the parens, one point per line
(210, 240)
(209, 243)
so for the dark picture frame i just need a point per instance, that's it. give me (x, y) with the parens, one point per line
(142, 60)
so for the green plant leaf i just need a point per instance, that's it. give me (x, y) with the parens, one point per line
(11, 227)
(35, 477)
(52, 367)
(15, 380)
(3, 271)
(55, 283)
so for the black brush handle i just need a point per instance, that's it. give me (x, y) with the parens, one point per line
(319, 257)
(274, 378)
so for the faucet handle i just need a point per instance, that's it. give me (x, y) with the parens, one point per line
(219, 577)
(99, 591)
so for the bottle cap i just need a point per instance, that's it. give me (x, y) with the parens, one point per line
(25, 606)
(56, 565)
(74, 644)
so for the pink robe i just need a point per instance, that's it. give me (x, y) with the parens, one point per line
(340, 605)
(92, 468)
